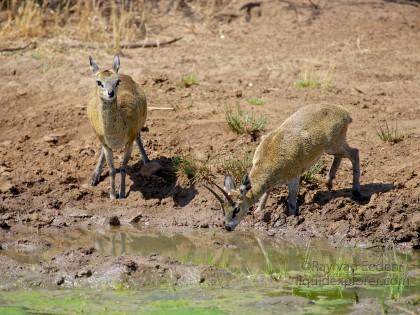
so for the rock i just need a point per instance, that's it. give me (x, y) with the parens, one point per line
(204, 225)
(5, 186)
(136, 219)
(76, 213)
(114, 221)
(271, 232)
(85, 273)
(4, 225)
(53, 138)
(59, 280)
(6, 143)
(150, 168)
(367, 306)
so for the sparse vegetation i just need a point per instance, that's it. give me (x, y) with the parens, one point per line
(307, 81)
(255, 101)
(310, 80)
(188, 80)
(310, 175)
(397, 277)
(243, 122)
(25, 20)
(389, 134)
(108, 22)
(237, 165)
(194, 171)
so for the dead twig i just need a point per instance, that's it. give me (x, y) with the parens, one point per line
(157, 43)
(145, 44)
(160, 108)
(248, 7)
(17, 48)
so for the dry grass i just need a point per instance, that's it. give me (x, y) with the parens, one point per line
(237, 165)
(25, 21)
(194, 171)
(108, 22)
(310, 79)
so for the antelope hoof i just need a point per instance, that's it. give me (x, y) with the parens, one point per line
(356, 195)
(113, 196)
(329, 185)
(121, 195)
(94, 180)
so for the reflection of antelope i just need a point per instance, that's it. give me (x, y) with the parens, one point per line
(117, 112)
(286, 153)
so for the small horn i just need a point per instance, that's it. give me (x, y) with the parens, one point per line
(217, 197)
(228, 198)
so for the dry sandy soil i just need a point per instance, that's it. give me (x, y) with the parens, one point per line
(368, 51)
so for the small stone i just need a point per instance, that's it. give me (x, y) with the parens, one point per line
(204, 225)
(132, 266)
(53, 138)
(6, 143)
(136, 219)
(4, 225)
(114, 221)
(5, 187)
(86, 273)
(59, 280)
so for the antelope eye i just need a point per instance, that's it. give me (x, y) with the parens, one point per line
(99, 83)
(235, 212)
(118, 82)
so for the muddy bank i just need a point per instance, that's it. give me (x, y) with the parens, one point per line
(48, 152)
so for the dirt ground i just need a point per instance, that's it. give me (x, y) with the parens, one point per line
(367, 51)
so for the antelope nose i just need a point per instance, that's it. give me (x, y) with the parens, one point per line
(111, 93)
(228, 228)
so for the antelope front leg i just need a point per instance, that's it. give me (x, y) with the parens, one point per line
(123, 169)
(110, 161)
(98, 169)
(263, 201)
(142, 150)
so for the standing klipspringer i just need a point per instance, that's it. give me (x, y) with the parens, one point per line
(117, 113)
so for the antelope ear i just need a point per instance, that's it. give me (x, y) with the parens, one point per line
(93, 66)
(229, 183)
(245, 185)
(116, 63)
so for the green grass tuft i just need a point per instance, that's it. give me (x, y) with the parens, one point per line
(188, 80)
(255, 101)
(310, 81)
(194, 171)
(389, 134)
(243, 122)
(310, 175)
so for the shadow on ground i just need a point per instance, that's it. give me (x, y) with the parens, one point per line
(323, 197)
(161, 184)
